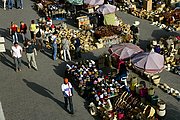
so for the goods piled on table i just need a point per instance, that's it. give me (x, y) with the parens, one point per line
(86, 39)
(164, 17)
(169, 47)
(107, 30)
(111, 98)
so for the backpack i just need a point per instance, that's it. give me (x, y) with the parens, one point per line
(134, 29)
(38, 34)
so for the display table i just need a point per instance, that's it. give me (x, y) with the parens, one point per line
(82, 21)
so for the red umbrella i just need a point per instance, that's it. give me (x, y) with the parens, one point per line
(124, 50)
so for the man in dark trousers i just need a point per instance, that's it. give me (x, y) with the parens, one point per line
(135, 32)
(77, 46)
(68, 93)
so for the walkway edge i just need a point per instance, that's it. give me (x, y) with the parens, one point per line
(1, 113)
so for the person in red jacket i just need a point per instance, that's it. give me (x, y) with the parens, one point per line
(23, 29)
(13, 32)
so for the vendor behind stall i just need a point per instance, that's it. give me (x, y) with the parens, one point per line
(135, 31)
(77, 46)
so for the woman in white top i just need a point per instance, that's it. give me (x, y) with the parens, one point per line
(16, 51)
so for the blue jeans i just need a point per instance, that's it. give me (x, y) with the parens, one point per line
(10, 4)
(54, 51)
(17, 62)
(21, 3)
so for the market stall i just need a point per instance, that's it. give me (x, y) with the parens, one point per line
(111, 99)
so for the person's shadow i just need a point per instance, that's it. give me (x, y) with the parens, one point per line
(44, 92)
(5, 60)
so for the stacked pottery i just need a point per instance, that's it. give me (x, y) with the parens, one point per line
(138, 87)
(151, 91)
(133, 84)
(161, 110)
(156, 79)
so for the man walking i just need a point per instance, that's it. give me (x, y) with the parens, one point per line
(30, 48)
(10, 4)
(135, 31)
(4, 1)
(19, 4)
(54, 45)
(77, 46)
(38, 38)
(68, 93)
(65, 47)
(16, 51)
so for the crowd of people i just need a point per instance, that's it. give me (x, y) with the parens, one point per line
(13, 3)
(42, 34)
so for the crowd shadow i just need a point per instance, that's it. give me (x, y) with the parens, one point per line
(5, 33)
(157, 34)
(44, 92)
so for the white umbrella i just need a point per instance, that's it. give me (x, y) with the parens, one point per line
(94, 2)
(106, 9)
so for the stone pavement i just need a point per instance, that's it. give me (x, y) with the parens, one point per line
(36, 95)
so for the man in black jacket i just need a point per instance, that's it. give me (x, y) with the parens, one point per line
(135, 32)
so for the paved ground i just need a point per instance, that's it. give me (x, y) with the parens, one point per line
(36, 95)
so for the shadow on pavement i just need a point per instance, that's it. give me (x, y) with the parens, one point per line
(173, 112)
(47, 52)
(157, 34)
(5, 61)
(1, 4)
(5, 33)
(43, 91)
(60, 69)
(145, 45)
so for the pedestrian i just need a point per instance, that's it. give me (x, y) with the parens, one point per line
(32, 28)
(19, 4)
(30, 54)
(65, 47)
(54, 44)
(10, 4)
(4, 1)
(68, 93)
(77, 46)
(38, 38)
(135, 32)
(13, 32)
(23, 30)
(16, 51)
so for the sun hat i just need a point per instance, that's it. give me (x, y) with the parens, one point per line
(136, 23)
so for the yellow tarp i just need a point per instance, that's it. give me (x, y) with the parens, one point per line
(109, 19)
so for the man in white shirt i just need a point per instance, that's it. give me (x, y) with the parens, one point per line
(16, 51)
(68, 93)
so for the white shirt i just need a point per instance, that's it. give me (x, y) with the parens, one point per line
(16, 51)
(67, 89)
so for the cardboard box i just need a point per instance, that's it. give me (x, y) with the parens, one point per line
(147, 5)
